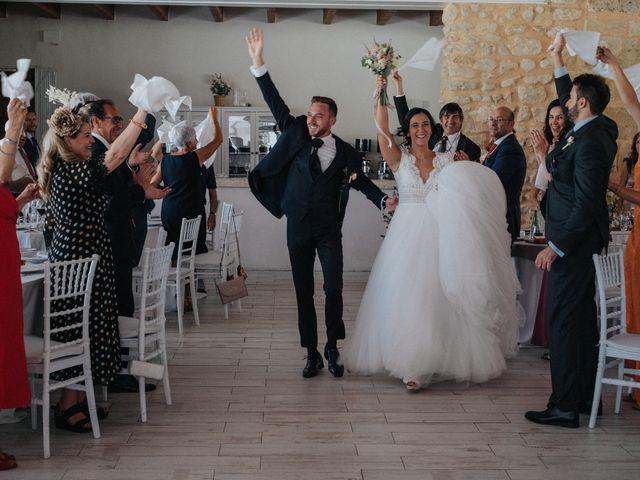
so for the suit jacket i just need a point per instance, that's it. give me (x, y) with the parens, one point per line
(464, 143)
(123, 196)
(32, 148)
(575, 203)
(282, 181)
(510, 164)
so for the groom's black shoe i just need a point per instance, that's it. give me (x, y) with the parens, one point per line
(333, 359)
(554, 416)
(314, 364)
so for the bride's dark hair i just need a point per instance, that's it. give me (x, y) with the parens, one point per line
(404, 128)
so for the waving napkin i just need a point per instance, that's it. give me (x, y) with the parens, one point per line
(427, 56)
(15, 85)
(581, 43)
(205, 134)
(632, 73)
(155, 94)
(167, 131)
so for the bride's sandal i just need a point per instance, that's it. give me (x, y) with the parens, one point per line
(412, 386)
(63, 420)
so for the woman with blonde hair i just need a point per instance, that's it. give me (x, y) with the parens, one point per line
(71, 181)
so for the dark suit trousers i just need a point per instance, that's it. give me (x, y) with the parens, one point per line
(304, 238)
(573, 331)
(124, 286)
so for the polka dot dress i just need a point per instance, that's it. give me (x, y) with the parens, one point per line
(75, 220)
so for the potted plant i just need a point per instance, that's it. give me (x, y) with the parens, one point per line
(219, 88)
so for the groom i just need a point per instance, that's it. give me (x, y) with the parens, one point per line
(307, 176)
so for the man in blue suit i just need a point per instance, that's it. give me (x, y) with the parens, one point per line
(306, 176)
(507, 159)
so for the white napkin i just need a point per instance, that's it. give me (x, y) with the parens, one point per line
(155, 94)
(15, 85)
(167, 131)
(632, 73)
(426, 57)
(204, 134)
(582, 43)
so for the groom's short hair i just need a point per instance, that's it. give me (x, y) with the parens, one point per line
(451, 109)
(594, 90)
(333, 108)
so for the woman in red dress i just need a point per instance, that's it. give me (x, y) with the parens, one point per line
(14, 386)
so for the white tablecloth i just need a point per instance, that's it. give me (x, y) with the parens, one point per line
(32, 303)
(31, 239)
(531, 280)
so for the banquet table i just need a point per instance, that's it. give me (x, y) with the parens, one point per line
(30, 238)
(32, 302)
(534, 292)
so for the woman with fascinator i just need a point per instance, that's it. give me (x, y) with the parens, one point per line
(180, 170)
(440, 302)
(71, 181)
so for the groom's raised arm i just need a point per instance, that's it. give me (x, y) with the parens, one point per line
(279, 109)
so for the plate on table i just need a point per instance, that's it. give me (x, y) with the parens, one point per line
(32, 268)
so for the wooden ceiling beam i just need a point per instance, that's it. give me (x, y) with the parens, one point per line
(160, 11)
(383, 16)
(217, 13)
(271, 15)
(435, 18)
(108, 12)
(48, 10)
(327, 15)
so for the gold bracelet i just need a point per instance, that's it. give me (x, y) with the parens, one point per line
(138, 124)
(11, 141)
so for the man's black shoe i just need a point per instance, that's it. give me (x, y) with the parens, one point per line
(314, 364)
(128, 384)
(333, 359)
(554, 416)
(585, 409)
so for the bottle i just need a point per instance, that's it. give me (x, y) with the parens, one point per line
(535, 226)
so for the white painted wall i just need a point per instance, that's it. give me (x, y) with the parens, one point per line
(304, 57)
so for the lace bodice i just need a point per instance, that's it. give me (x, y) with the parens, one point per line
(411, 188)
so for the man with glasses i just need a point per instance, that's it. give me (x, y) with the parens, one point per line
(447, 135)
(577, 226)
(506, 157)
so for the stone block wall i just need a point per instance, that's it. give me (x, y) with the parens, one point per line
(496, 54)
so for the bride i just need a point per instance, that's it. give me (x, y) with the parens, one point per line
(440, 302)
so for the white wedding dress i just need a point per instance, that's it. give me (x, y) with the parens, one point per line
(440, 302)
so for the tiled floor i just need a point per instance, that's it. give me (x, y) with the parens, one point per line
(242, 411)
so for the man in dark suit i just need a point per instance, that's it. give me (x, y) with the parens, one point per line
(306, 176)
(447, 135)
(577, 226)
(507, 159)
(31, 146)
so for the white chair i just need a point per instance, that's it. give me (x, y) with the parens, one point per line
(184, 271)
(208, 264)
(156, 237)
(70, 283)
(615, 342)
(144, 336)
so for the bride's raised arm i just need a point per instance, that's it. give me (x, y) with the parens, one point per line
(390, 153)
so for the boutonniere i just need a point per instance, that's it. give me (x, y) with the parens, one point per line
(570, 141)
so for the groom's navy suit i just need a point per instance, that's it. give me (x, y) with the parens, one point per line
(510, 164)
(284, 184)
(577, 224)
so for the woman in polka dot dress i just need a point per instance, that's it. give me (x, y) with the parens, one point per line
(71, 181)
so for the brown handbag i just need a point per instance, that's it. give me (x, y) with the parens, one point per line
(235, 287)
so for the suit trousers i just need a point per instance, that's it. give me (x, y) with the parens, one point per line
(573, 330)
(304, 239)
(124, 286)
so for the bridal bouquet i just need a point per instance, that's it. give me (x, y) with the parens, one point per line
(381, 60)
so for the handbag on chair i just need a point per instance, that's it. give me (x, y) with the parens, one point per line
(235, 287)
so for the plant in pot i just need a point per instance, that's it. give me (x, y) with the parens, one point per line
(219, 88)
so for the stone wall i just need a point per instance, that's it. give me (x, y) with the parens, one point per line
(497, 55)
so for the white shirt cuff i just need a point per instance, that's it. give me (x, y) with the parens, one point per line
(258, 72)
(560, 72)
(556, 249)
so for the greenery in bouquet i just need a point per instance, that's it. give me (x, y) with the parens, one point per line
(219, 86)
(381, 60)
